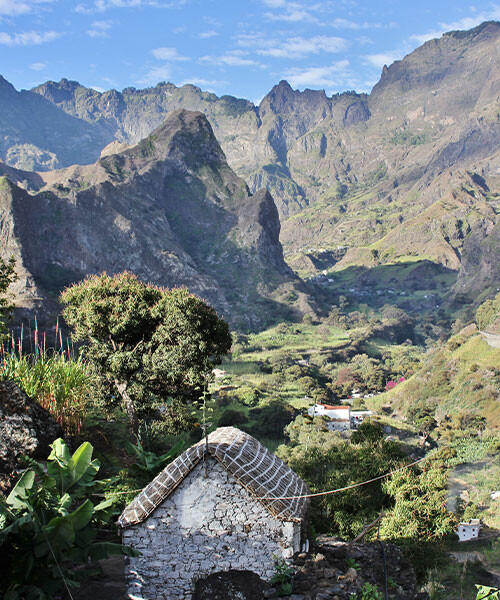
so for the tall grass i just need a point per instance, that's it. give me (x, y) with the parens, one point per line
(57, 379)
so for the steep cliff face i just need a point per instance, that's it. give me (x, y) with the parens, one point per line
(35, 134)
(169, 209)
(371, 172)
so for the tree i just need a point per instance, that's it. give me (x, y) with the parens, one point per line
(327, 462)
(48, 525)
(7, 276)
(419, 513)
(149, 344)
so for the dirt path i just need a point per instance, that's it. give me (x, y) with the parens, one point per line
(492, 339)
(457, 486)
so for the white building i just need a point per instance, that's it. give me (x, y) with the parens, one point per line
(469, 531)
(358, 416)
(342, 418)
(212, 510)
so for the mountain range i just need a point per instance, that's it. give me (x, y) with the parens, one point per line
(407, 174)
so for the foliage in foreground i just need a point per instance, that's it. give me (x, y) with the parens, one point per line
(59, 382)
(327, 462)
(147, 343)
(49, 525)
(8, 275)
(488, 315)
(483, 591)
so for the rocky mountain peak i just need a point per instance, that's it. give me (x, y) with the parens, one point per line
(483, 31)
(56, 92)
(186, 135)
(284, 99)
(5, 86)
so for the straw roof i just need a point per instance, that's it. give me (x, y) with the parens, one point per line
(262, 473)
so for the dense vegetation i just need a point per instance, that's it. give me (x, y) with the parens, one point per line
(430, 395)
(148, 345)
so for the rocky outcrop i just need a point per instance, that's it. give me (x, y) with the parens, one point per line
(26, 429)
(168, 209)
(339, 570)
(480, 267)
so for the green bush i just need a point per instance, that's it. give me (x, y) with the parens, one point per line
(232, 417)
(59, 382)
(48, 526)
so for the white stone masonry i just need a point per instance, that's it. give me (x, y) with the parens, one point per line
(204, 526)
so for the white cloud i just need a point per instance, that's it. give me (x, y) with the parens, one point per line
(168, 54)
(207, 34)
(291, 12)
(99, 29)
(327, 76)
(274, 3)
(233, 59)
(291, 47)
(493, 14)
(200, 82)
(384, 58)
(296, 47)
(292, 16)
(38, 66)
(346, 24)
(12, 8)
(97, 88)
(103, 5)
(28, 38)
(156, 74)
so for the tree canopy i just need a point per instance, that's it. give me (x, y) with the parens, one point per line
(488, 315)
(148, 343)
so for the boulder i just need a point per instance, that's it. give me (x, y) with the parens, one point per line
(230, 585)
(26, 429)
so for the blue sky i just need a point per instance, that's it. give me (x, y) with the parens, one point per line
(228, 47)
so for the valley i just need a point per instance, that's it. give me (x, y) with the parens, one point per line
(350, 241)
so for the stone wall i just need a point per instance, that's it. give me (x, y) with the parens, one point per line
(207, 525)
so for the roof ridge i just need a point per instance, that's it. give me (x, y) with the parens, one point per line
(236, 450)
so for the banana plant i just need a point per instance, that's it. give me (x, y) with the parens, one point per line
(48, 525)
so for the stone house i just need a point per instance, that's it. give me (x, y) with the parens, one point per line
(222, 504)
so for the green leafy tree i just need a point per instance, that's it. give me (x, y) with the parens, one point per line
(488, 315)
(484, 591)
(48, 525)
(327, 462)
(419, 518)
(148, 344)
(7, 276)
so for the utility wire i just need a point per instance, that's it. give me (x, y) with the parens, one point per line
(347, 487)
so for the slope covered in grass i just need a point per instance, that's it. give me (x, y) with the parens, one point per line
(461, 376)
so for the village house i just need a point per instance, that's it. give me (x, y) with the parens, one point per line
(469, 531)
(222, 504)
(342, 418)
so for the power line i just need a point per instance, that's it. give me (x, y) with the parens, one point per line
(347, 487)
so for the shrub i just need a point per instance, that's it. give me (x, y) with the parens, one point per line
(232, 417)
(48, 525)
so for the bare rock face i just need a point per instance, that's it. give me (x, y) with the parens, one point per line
(169, 209)
(26, 429)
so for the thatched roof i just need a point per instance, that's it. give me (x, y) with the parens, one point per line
(262, 473)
